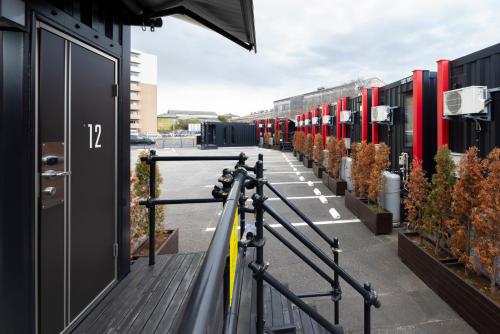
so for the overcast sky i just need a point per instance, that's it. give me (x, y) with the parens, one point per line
(303, 45)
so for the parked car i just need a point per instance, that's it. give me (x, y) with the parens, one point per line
(139, 140)
(153, 135)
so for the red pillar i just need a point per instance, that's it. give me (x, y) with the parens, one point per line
(307, 122)
(374, 104)
(314, 116)
(418, 106)
(344, 126)
(339, 108)
(364, 114)
(325, 111)
(443, 85)
(287, 122)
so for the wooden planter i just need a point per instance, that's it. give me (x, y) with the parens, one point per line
(378, 223)
(294, 153)
(477, 309)
(300, 157)
(307, 161)
(336, 186)
(169, 246)
(318, 170)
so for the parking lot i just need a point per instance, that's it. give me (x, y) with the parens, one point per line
(408, 305)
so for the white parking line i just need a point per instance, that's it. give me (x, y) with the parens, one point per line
(301, 178)
(302, 197)
(309, 172)
(323, 199)
(309, 183)
(326, 222)
(317, 191)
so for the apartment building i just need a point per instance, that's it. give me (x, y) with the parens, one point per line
(143, 92)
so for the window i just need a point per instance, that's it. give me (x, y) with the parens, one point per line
(409, 121)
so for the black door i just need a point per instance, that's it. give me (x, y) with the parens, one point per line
(77, 145)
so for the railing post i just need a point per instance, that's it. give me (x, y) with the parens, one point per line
(151, 207)
(367, 307)
(259, 221)
(336, 285)
(241, 203)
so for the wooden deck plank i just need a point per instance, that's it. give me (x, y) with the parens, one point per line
(277, 307)
(268, 310)
(180, 296)
(136, 319)
(125, 303)
(246, 310)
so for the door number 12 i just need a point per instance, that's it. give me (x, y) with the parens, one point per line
(94, 129)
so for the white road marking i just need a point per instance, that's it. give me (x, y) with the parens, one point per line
(309, 183)
(317, 191)
(297, 173)
(323, 199)
(335, 214)
(326, 222)
(302, 197)
(302, 178)
(294, 169)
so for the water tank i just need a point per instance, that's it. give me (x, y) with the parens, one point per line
(345, 171)
(389, 198)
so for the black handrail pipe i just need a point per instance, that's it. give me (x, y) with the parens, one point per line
(232, 316)
(153, 202)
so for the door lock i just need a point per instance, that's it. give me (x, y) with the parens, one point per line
(50, 160)
(49, 191)
(49, 174)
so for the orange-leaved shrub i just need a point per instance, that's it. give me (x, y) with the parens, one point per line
(486, 220)
(335, 148)
(308, 146)
(416, 201)
(363, 158)
(318, 149)
(380, 164)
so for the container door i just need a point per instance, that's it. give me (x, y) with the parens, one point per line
(77, 164)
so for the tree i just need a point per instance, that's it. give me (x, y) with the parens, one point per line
(140, 188)
(375, 179)
(222, 118)
(486, 220)
(465, 201)
(363, 158)
(416, 202)
(267, 137)
(318, 149)
(299, 141)
(308, 146)
(440, 198)
(277, 136)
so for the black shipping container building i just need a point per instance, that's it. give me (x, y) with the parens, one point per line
(222, 134)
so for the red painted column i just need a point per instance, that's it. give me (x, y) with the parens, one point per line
(314, 115)
(374, 104)
(339, 108)
(325, 111)
(418, 109)
(307, 122)
(344, 107)
(443, 85)
(287, 122)
(364, 114)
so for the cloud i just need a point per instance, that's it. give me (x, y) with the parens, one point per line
(305, 45)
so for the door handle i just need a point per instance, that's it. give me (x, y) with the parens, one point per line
(49, 174)
(49, 191)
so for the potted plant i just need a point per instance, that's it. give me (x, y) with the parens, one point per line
(166, 240)
(308, 151)
(276, 140)
(454, 245)
(318, 156)
(368, 165)
(294, 143)
(301, 138)
(331, 177)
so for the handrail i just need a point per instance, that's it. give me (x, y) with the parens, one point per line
(232, 315)
(199, 314)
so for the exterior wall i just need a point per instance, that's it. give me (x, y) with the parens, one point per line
(149, 106)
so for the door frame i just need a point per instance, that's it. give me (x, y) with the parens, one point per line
(39, 24)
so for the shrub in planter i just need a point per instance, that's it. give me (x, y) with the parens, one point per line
(335, 149)
(376, 180)
(363, 158)
(416, 201)
(308, 151)
(486, 220)
(276, 140)
(438, 212)
(267, 137)
(318, 156)
(466, 199)
(139, 216)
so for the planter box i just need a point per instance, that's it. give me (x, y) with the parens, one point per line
(318, 170)
(378, 223)
(294, 153)
(169, 246)
(336, 186)
(477, 309)
(300, 157)
(308, 162)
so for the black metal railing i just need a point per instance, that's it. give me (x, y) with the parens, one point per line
(213, 307)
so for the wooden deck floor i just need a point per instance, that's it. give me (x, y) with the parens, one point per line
(148, 300)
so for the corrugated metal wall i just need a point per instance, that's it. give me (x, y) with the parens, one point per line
(481, 68)
(229, 134)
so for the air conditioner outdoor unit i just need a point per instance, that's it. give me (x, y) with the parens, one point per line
(326, 119)
(345, 116)
(261, 125)
(315, 121)
(301, 123)
(269, 125)
(381, 114)
(464, 101)
(307, 121)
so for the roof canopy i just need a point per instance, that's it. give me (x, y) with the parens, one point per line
(231, 18)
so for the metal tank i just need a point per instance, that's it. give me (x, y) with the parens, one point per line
(389, 198)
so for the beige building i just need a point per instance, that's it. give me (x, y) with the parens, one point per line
(143, 92)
